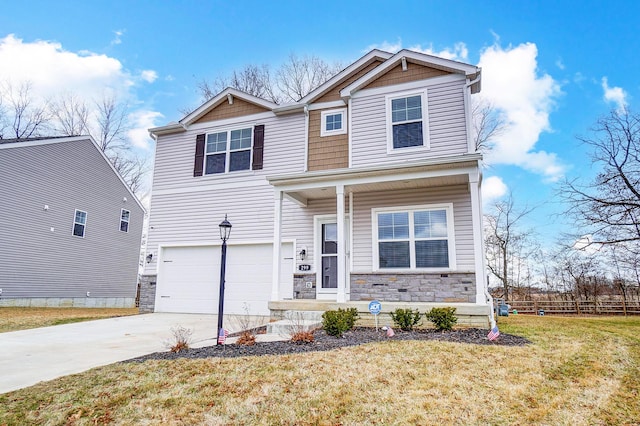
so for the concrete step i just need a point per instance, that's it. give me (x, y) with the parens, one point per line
(286, 327)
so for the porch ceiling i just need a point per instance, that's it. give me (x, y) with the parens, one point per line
(329, 191)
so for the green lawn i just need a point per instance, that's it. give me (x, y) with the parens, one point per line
(578, 371)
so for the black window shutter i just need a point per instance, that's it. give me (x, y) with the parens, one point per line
(258, 147)
(199, 160)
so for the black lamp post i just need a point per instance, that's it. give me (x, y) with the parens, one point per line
(225, 231)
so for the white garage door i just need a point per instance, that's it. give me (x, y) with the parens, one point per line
(189, 279)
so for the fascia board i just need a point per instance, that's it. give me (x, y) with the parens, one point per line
(375, 53)
(428, 60)
(221, 97)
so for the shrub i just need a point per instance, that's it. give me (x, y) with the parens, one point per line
(181, 339)
(335, 323)
(247, 338)
(442, 318)
(302, 337)
(406, 319)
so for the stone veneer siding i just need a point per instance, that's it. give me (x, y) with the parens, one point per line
(300, 290)
(453, 287)
(147, 302)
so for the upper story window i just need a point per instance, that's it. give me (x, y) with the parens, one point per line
(415, 237)
(124, 220)
(79, 223)
(407, 124)
(333, 122)
(228, 151)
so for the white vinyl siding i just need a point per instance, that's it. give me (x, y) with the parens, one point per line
(188, 209)
(446, 127)
(364, 203)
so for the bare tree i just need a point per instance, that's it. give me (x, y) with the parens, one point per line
(507, 245)
(293, 80)
(487, 124)
(112, 124)
(70, 115)
(25, 117)
(608, 208)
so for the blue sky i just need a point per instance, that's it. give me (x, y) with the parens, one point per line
(551, 68)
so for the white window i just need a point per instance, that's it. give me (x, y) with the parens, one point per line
(407, 123)
(124, 220)
(228, 151)
(333, 122)
(79, 223)
(419, 237)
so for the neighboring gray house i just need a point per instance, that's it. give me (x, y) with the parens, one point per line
(71, 228)
(367, 188)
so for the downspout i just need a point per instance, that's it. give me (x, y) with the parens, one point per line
(492, 318)
(306, 138)
(468, 112)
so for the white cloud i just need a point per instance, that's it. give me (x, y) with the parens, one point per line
(52, 70)
(118, 37)
(493, 188)
(458, 52)
(141, 121)
(617, 95)
(524, 97)
(149, 76)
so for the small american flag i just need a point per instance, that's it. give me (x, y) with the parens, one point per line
(222, 336)
(494, 333)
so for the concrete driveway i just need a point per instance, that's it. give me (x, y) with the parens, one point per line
(30, 356)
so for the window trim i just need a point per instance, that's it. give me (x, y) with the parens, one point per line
(323, 122)
(84, 225)
(451, 243)
(228, 151)
(128, 221)
(425, 121)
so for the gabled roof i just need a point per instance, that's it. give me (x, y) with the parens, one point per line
(222, 97)
(29, 142)
(470, 71)
(372, 55)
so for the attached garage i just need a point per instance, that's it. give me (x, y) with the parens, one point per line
(189, 278)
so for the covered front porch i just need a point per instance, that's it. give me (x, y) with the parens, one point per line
(350, 199)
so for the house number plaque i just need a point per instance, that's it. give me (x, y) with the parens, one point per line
(304, 267)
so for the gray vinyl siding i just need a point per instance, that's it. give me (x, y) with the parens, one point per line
(447, 127)
(38, 262)
(362, 229)
(187, 209)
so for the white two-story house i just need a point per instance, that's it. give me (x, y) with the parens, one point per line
(366, 189)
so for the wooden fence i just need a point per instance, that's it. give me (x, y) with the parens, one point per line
(576, 307)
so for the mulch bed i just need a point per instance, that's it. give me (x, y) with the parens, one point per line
(324, 342)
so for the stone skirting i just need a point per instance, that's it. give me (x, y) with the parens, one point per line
(147, 301)
(301, 288)
(70, 302)
(434, 288)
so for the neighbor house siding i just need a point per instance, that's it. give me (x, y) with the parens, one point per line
(39, 256)
(362, 231)
(187, 209)
(447, 127)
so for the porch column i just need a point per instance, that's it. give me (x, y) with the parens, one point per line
(478, 241)
(342, 265)
(277, 239)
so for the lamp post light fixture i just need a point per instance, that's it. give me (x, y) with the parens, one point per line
(225, 231)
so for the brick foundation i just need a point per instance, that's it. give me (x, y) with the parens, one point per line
(442, 288)
(147, 293)
(300, 289)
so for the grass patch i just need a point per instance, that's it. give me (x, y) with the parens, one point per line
(578, 371)
(18, 318)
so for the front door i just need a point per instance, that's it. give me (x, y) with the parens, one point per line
(327, 262)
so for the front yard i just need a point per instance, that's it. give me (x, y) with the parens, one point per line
(15, 318)
(576, 371)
